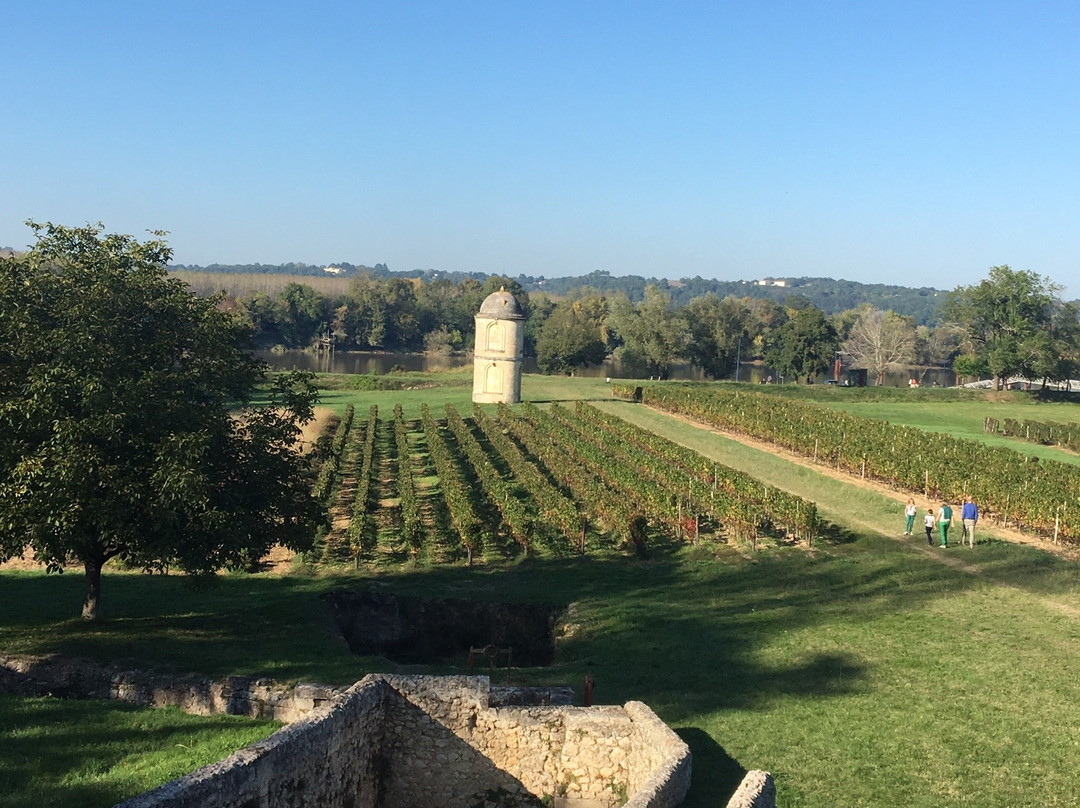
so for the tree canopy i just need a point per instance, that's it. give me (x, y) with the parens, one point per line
(1008, 321)
(654, 334)
(572, 336)
(803, 346)
(125, 409)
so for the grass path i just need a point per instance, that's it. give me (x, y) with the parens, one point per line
(964, 419)
(877, 508)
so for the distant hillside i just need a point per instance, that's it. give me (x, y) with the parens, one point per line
(343, 270)
(827, 294)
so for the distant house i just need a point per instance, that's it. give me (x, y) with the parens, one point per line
(772, 282)
(333, 270)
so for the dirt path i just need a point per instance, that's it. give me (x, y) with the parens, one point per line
(950, 558)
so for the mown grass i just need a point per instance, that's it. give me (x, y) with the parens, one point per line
(861, 671)
(965, 419)
(56, 753)
(452, 387)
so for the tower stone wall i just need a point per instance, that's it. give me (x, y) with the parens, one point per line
(499, 351)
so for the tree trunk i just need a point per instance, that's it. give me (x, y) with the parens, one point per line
(93, 588)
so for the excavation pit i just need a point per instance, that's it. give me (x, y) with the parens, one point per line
(413, 630)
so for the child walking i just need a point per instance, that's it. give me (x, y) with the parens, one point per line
(910, 512)
(928, 523)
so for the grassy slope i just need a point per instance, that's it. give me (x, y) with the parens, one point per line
(861, 673)
(44, 743)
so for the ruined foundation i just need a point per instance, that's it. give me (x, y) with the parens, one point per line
(426, 741)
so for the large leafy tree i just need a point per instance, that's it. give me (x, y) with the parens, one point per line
(654, 334)
(124, 410)
(803, 346)
(1004, 319)
(572, 336)
(721, 331)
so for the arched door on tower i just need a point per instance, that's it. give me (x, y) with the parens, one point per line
(493, 380)
(496, 336)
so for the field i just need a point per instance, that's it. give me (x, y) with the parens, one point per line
(959, 412)
(866, 670)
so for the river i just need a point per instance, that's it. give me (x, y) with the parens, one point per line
(381, 363)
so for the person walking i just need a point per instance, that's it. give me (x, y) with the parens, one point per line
(928, 523)
(944, 523)
(969, 516)
(910, 512)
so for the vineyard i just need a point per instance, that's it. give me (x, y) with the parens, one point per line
(525, 481)
(1020, 491)
(1047, 433)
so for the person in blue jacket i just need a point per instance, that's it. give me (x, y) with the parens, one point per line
(969, 515)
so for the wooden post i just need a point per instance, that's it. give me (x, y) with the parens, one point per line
(1006, 522)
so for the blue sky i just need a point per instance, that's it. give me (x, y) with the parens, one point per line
(902, 142)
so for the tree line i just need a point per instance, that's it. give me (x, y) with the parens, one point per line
(1012, 323)
(830, 295)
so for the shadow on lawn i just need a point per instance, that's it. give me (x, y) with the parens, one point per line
(55, 764)
(674, 629)
(836, 534)
(716, 774)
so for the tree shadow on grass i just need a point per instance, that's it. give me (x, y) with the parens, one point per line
(63, 745)
(836, 534)
(715, 774)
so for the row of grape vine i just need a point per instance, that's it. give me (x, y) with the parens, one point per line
(1021, 491)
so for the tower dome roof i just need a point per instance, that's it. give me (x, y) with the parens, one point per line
(501, 305)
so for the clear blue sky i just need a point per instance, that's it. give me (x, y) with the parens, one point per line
(903, 142)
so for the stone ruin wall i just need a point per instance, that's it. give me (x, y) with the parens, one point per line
(81, 678)
(417, 742)
(407, 742)
(582, 756)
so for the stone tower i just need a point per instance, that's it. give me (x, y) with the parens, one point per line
(500, 345)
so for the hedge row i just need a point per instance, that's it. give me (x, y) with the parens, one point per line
(1048, 433)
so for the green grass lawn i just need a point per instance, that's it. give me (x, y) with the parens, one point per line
(57, 754)
(863, 673)
(453, 387)
(860, 672)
